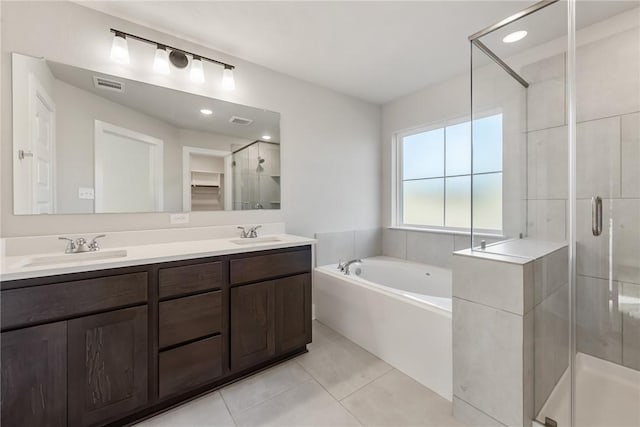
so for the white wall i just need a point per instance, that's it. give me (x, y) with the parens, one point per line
(330, 142)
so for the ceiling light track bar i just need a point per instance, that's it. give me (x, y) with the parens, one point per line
(194, 55)
(500, 62)
(513, 18)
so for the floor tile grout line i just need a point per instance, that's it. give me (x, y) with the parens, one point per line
(235, 423)
(331, 395)
(391, 368)
(277, 394)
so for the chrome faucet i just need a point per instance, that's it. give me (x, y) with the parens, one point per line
(81, 245)
(345, 267)
(249, 233)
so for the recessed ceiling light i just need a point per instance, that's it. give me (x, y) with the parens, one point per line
(514, 37)
(206, 112)
(267, 137)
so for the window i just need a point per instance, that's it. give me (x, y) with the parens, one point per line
(434, 180)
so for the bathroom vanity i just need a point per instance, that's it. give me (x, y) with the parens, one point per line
(113, 345)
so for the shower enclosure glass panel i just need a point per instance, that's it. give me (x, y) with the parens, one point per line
(256, 176)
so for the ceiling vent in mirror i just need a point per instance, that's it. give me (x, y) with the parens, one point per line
(240, 121)
(106, 84)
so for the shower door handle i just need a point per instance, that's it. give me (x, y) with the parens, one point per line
(596, 215)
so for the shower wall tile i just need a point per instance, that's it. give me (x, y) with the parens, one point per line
(546, 219)
(598, 320)
(493, 283)
(430, 248)
(630, 128)
(551, 338)
(368, 243)
(608, 81)
(488, 371)
(547, 164)
(550, 273)
(620, 217)
(546, 93)
(394, 243)
(332, 247)
(629, 305)
(598, 158)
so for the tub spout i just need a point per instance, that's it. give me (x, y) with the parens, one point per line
(346, 266)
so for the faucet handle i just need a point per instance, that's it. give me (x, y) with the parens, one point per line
(253, 231)
(244, 232)
(93, 245)
(71, 246)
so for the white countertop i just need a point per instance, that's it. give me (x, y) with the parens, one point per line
(13, 267)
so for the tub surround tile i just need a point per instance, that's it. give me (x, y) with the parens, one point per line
(598, 320)
(394, 243)
(258, 388)
(333, 247)
(207, 410)
(609, 79)
(630, 130)
(471, 416)
(381, 404)
(488, 370)
(430, 248)
(368, 243)
(629, 303)
(598, 158)
(305, 405)
(357, 366)
(492, 283)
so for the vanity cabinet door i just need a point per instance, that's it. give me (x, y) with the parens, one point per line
(34, 376)
(252, 324)
(108, 365)
(293, 312)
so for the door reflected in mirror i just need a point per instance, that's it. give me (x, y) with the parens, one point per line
(87, 142)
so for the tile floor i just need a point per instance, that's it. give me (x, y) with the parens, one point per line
(336, 384)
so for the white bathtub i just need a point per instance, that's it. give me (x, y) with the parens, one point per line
(398, 310)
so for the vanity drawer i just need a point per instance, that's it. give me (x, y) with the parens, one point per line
(263, 267)
(183, 368)
(188, 279)
(189, 318)
(39, 304)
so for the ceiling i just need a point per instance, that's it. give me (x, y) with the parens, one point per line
(376, 51)
(177, 108)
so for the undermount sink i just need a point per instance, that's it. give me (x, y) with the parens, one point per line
(71, 258)
(255, 240)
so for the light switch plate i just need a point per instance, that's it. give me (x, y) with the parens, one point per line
(179, 218)
(86, 193)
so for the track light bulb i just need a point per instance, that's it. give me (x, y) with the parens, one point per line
(161, 60)
(228, 83)
(197, 71)
(119, 49)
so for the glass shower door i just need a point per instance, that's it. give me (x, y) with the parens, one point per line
(607, 215)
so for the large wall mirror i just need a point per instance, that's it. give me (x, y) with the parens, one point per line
(87, 142)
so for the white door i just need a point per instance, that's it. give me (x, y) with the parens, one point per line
(37, 191)
(128, 170)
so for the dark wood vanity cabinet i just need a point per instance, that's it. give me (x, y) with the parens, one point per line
(108, 347)
(34, 376)
(107, 365)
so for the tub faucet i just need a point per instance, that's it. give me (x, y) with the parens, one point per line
(345, 267)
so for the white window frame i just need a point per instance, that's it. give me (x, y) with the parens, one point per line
(397, 175)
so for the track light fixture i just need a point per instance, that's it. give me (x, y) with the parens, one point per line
(166, 54)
